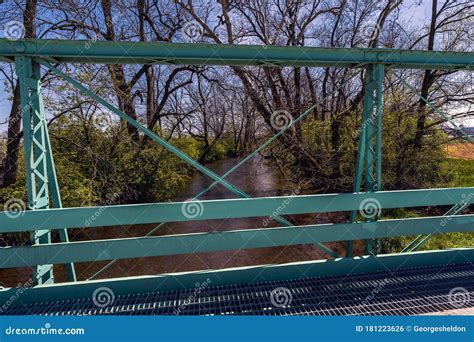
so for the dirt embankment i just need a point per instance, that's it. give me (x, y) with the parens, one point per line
(461, 151)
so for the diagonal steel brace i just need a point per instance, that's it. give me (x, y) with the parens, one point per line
(163, 142)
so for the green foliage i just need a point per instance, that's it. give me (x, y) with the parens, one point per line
(104, 167)
(460, 171)
(317, 136)
(461, 174)
(150, 174)
(450, 240)
(223, 148)
(391, 245)
(97, 166)
(403, 165)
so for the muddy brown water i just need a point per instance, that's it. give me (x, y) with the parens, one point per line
(257, 177)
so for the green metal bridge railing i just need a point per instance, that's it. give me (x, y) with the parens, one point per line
(43, 190)
(66, 252)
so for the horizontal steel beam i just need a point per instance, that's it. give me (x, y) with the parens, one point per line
(229, 208)
(239, 275)
(99, 250)
(170, 147)
(78, 51)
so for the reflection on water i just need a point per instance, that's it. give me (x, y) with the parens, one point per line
(257, 178)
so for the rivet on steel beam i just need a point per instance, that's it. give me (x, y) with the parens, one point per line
(20, 47)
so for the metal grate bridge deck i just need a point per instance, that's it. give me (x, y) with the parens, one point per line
(409, 291)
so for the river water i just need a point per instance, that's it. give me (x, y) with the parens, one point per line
(257, 177)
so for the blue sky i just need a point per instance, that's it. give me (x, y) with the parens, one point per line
(410, 10)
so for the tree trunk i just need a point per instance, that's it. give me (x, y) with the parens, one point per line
(297, 102)
(10, 163)
(122, 89)
(312, 92)
(428, 80)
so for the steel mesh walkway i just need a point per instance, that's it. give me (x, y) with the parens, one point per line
(403, 292)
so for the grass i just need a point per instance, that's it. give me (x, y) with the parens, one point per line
(461, 174)
(461, 171)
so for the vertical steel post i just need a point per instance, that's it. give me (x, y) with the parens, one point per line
(39, 162)
(379, 74)
(369, 124)
(357, 181)
(369, 155)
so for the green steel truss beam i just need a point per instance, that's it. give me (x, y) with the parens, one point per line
(125, 248)
(373, 146)
(171, 148)
(41, 177)
(221, 54)
(240, 275)
(421, 240)
(39, 163)
(369, 156)
(221, 241)
(267, 143)
(129, 214)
